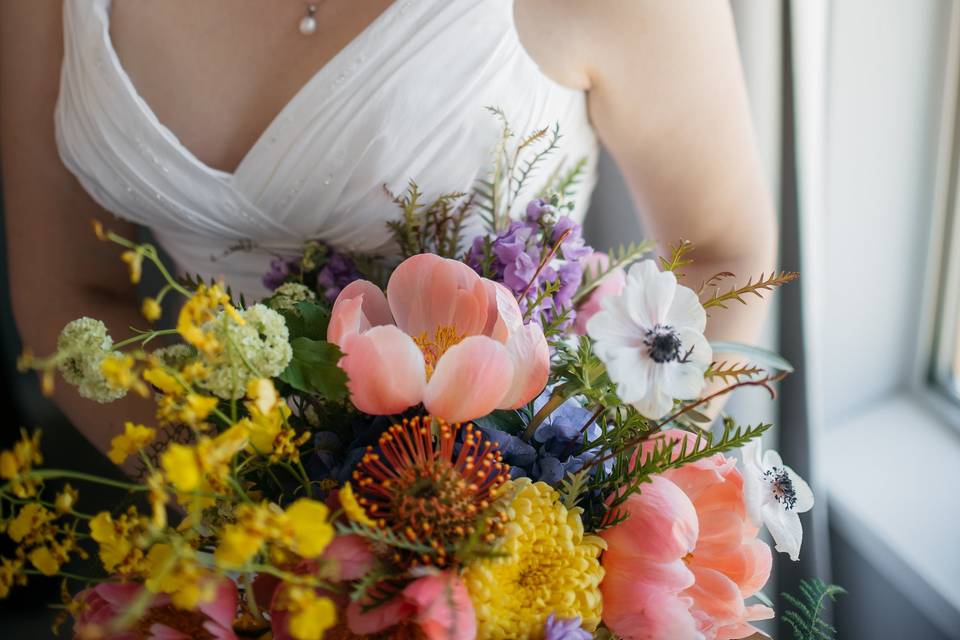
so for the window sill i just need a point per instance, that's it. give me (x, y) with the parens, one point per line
(892, 477)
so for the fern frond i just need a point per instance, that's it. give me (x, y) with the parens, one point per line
(572, 487)
(765, 283)
(805, 616)
(385, 537)
(530, 166)
(678, 257)
(731, 372)
(562, 184)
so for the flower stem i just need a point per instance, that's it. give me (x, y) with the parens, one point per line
(51, 474)
(556, 399)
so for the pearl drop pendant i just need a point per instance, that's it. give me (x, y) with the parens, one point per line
(308, 25)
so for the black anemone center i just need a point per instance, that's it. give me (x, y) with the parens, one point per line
(663, 343)
(782, 487)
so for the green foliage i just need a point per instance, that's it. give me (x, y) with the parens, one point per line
(307, 320)
(430, 227)
(679, 257)
(513, 168)
(506, 420)
(573, 487)
(620, 258)
(805, 615)
(313, 369)
(562, 185)
(764, 283)
(769, 359)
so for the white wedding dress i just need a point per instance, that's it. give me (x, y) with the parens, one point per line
(404, 100)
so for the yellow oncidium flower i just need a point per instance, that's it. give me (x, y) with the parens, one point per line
(309, 530)
(119, 371)
(163, 381)
(151, 309)
(98, 230)
(119, 541)
(176, 572)
(66, 499)
(356, 513)
(311, 615)
(17, 463)
(199, 310)
(32, 518)
(134, 438)
(11, 573)
(204, 467)
(304, 529)
(134, 260)
(45, 560)
(158, 500)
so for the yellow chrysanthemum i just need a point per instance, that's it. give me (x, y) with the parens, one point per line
(134, 438)
(550, 567)
(348, 500)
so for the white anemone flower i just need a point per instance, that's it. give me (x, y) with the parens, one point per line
(775, 496)
(651, 339)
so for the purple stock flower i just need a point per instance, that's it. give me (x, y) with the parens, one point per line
(514, 256)
(538, 208)
(573, 247)
(564, 629)
(338, 271)
(280, 270)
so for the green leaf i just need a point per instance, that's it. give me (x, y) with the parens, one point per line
(313, 369)
(756, 355)
(308, 320)
(508, 421)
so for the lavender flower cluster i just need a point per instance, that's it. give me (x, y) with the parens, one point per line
(321, 267)
(514, 256)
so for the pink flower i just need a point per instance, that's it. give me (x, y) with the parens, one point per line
(443, 607)
(350, 556)
(105, 602)
(723, 562)
(442, 336)
(611, 285)
(438, 604)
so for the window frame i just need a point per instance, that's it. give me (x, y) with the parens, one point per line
(935, 378)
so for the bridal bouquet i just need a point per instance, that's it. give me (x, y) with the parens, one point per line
(499, 439)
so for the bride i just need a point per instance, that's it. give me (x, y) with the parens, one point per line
(236, 129)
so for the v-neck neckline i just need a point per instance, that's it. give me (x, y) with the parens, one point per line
(334, 63)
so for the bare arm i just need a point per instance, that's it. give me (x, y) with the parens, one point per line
(58, 270)
(668, 100)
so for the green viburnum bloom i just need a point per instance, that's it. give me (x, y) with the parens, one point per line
(82, 346)
(288, 295)
(259, 348)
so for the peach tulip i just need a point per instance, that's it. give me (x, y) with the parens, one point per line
(106, 602)
(611, 285)
(442, 336)
(682, 564)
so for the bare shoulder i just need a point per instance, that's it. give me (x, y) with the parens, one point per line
(552, 33)
(577, 42)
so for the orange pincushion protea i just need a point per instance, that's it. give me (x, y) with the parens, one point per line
(415, 485)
